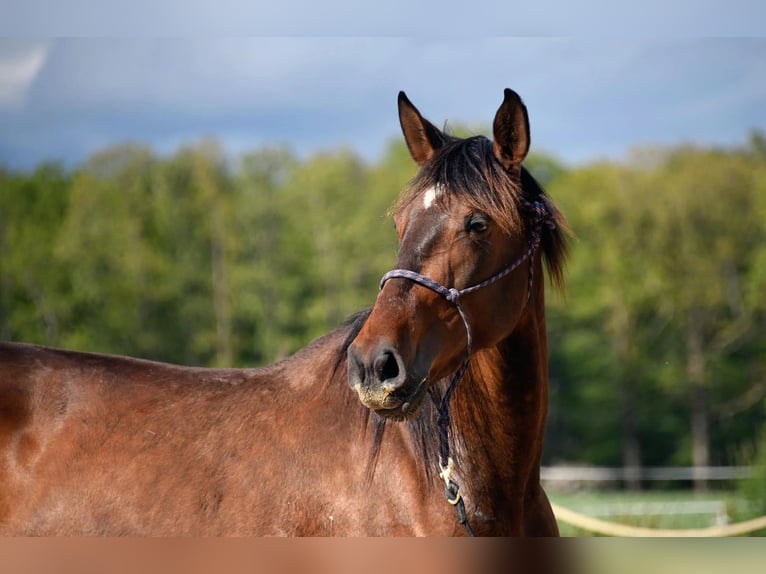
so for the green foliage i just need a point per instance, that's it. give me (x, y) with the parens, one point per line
(199, 259)
(32, 210)
(664, 297)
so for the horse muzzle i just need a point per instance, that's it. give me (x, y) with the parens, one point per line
(383, 384)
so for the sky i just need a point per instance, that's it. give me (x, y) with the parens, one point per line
(68, 89)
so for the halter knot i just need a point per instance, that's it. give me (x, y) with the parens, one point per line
(541, 215)
(452, 294)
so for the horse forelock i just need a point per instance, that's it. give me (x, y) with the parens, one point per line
(467, 170)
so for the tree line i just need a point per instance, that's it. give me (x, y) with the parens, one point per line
(657, 347)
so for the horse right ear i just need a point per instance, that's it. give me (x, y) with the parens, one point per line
(422, 137)
(511, 131)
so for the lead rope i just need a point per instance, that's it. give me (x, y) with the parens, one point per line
(446, 464)
(540, 215)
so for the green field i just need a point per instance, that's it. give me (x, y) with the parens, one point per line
(652, 509)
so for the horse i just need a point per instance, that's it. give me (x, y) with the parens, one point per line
(347, 436)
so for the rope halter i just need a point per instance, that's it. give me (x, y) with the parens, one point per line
(539, 215)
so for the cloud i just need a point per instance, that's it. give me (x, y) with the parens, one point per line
(742, 87)
(20, 63)
(203, 75)
(185, 18)
(586, 96)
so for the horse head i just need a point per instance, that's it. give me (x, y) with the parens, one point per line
(468, 234)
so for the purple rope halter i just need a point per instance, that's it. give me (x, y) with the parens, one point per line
(540, 215)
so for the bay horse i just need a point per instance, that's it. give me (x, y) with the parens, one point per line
(342, 437)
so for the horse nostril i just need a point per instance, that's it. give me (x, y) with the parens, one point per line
(386, 367)
(355, 370)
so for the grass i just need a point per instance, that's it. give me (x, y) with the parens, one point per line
(650, 509)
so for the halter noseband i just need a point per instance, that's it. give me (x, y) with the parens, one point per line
(540, 215)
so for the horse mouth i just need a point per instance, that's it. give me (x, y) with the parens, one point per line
(409, 407)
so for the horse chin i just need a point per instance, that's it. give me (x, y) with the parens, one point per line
(409, 408)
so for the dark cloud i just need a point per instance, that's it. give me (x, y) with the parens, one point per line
(587, 97)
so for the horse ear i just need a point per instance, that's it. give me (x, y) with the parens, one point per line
(511, 131)
(422, 137)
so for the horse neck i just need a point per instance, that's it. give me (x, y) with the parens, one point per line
(501, 406)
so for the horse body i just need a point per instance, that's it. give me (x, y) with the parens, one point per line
(97, 444)
(341, 438)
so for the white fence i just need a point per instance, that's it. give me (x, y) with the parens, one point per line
(715, 508)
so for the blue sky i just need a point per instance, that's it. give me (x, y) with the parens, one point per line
(589, 96)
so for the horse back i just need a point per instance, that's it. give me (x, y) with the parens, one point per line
(85, 431)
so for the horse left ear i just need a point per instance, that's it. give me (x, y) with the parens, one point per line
(421, 136)
(511, 131)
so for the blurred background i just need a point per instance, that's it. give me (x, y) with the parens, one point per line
(222, 202)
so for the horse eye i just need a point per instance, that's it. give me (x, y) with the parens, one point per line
(476, 224)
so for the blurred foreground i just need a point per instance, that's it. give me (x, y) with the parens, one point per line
(381, 556)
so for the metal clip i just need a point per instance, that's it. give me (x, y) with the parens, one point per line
(446, 471)
(451, 489)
